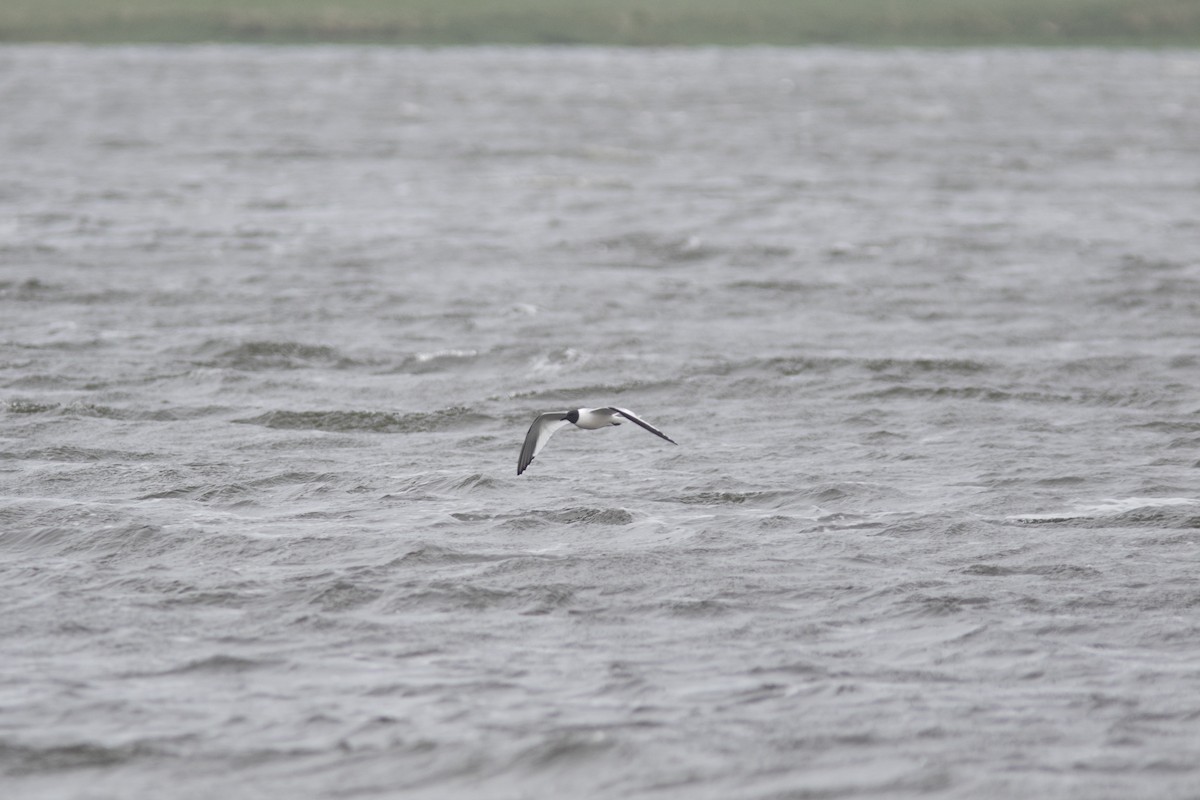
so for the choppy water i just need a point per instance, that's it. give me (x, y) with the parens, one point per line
(926, 326)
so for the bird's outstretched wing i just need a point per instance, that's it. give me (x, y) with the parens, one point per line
(629, 415)
(539, 433)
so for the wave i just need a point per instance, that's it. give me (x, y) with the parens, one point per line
(579, 515)
(221, 664)
(433, 554)
(459, 596)
(25, 759)
(28, 289)
(438, 484)
(452, 418)
(268, 355)
(649, 249)
(697, 608)
(73, 454)
(1132, 512)
(899, 368)
(1061, 571)
(777, 499)
(242, 491)
(724, 498)
(656, 247)
(568, 749)
(782, 286)
(345, 595)
(437, 361)
(109, 412)
(84, 409)
(600, 391)
(984, 393)
(29, 407)
(74, 528)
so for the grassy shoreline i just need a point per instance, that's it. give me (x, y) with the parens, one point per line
(1142, 23)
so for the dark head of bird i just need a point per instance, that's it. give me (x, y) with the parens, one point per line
(572, 416)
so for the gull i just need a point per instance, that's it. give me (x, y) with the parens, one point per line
(546, 425)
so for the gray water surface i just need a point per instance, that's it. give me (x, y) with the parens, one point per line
(925, 324)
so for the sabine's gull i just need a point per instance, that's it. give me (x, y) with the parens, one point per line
(546, 425)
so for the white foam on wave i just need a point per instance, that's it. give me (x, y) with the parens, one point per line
(1106, 508)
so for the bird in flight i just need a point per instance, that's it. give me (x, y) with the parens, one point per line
(546, 425)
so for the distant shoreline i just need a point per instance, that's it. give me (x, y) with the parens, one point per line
(634, 23)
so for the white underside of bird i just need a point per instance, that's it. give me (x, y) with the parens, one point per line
(546, 425)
